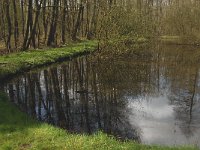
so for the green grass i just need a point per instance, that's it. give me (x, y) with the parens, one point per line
(19, 132)
(171, 39)
(19, 62)
(180, 40)
(127, 39)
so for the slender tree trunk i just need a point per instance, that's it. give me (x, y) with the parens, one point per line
(16, 31)
(29, 24)
(78, 23)
(2, 23)
(45, 23)
(33, 31)
(93, 23)
(64, 21)
(52, 33)
(8, 42)
(23, 19)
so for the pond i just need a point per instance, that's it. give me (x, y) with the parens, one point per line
(150, 94)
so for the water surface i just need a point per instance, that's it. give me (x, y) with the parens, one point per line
(148, 94)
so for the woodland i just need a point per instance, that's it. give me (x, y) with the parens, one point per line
(26, 24)
(99, 74)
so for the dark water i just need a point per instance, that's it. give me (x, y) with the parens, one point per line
(151, 95)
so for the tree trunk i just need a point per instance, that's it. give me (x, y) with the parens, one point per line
(52, 33)
(16, 31)
(8, 42)
(78, 23)
(29, 24)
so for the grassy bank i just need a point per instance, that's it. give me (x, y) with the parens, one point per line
(22, 61)
(19, 132)
(127, 40)
(178, 40)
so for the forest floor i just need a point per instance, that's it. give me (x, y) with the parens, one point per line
(22, 61)
(20, 132)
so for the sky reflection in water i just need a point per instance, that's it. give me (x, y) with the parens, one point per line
(151, 97)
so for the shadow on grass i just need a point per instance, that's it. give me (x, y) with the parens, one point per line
(11, 119)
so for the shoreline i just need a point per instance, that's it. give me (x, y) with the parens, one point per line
(19, 131)
(15, 63)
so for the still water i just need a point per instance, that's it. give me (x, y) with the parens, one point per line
(151, 95)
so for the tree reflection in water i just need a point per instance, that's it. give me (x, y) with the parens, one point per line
(72, 96)
(139, 94)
